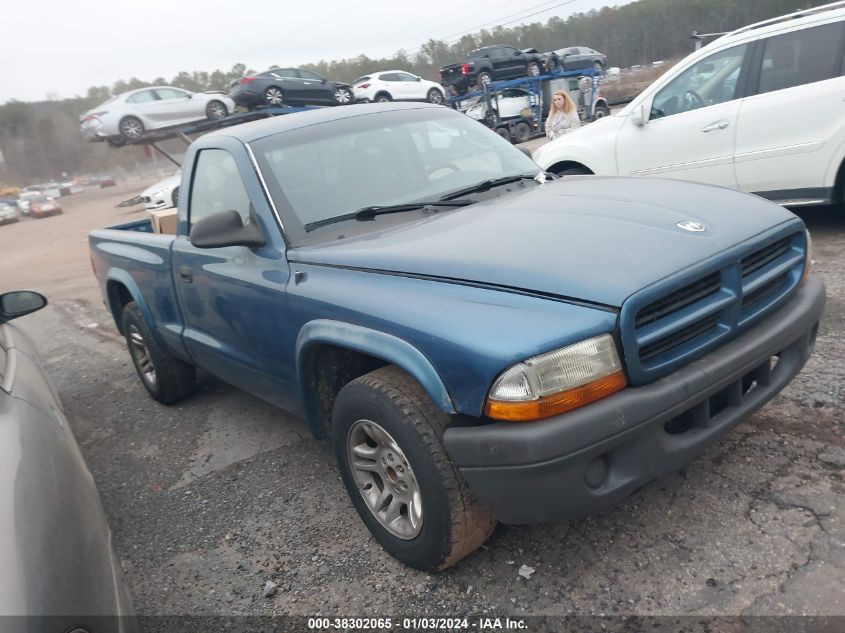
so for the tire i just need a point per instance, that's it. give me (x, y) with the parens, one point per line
(398, 432)
(491, 117)
(504, 133)
(343, 96)
(165, 377)
(552, 64)
(521, 132)
(382, 97)
(434, 96)
(597, 67)
(571, 171)
(533, 70)
(130, 127)
(484, 79)
(174, 197)
(216, 110)
(601, 112)
(274, 96)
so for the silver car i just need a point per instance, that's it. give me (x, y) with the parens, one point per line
(127, 116)
(56, 552)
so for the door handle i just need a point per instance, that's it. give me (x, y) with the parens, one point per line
(186, 274)
(718, 125)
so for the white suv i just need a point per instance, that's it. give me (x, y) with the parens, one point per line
(761, 109)
(396, 85)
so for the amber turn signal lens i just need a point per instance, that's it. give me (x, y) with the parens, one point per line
(556, 403)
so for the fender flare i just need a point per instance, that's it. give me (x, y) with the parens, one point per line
(368, 341)
(125, 279)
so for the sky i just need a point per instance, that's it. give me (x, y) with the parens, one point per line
(58, 49)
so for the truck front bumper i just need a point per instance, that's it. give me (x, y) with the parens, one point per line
(582, 461)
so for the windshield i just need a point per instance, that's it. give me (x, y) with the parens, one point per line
(385, 158)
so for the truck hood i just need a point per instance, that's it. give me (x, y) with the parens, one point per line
(587, 238)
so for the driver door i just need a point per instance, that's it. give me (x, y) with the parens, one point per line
(691, 128)
(233, 298)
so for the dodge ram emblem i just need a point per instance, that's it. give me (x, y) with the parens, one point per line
(689, 225)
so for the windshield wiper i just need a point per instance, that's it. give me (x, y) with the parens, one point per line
(486, 185)
(368, 213)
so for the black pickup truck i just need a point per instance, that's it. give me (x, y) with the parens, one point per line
(489, 64)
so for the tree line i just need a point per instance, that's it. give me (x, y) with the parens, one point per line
(41, 140)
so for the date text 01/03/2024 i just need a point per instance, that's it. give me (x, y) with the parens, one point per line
(415, 624)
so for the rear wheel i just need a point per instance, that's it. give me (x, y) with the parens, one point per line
(435, 96)
(165, 377)
(273, 96)
(521, 132)
(388, 440)
(598, 67)
(504, 133)
(343, 96)
(131, 127)
(216, 110)
(484, 79)
(174, 197)
(383, 97)
(601, 112)
(533, 69)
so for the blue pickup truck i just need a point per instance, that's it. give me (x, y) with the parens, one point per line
(479, 340)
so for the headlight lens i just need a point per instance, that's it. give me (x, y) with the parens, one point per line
(557, 381)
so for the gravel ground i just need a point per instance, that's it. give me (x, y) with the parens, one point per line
(214, 497)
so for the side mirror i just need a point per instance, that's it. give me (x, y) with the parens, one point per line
(638, 116)
(225, 228)
(18, 303)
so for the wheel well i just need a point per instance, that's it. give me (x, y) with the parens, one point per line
(332, 367)
(118, 296)
(839, 185)
(557, 168)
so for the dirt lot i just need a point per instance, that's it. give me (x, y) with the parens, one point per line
(211, 498)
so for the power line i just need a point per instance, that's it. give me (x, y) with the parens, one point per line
(498, 23)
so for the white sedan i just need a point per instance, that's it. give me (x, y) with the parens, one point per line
(396, 85)
(163, 194)
(130, 114)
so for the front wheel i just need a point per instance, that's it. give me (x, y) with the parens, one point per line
(601, 112)
(484, 79)
(165, 377)
(388, 441)
(174, 197)
(216, 110)
(435, 96)
(533, 69)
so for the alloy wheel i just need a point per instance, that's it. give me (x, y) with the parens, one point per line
(142, 355)
(273, 96)
(385, 479)
(342, 96)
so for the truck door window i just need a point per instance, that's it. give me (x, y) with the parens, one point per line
(709, 81)
(217, 186)
(801, 57)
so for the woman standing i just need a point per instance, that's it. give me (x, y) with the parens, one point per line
(563, 115)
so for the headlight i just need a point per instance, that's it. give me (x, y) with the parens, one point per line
(808, 266)
(557, 381)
